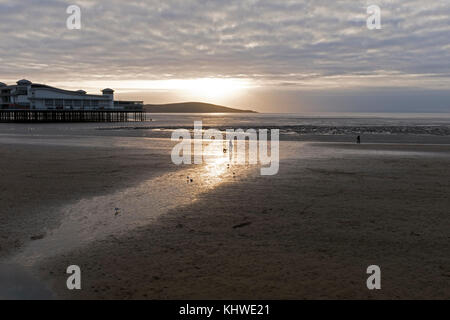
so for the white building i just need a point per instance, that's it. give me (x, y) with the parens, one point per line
(34, 96)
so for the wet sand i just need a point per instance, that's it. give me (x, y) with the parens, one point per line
(63, 193)
(39, 178)
(309, 232)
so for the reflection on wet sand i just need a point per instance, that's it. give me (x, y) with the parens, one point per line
(94, 219)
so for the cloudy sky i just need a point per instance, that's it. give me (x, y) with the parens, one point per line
(268, 55)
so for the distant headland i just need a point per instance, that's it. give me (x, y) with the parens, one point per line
(191, 107)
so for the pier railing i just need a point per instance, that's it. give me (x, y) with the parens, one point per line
(71, 116)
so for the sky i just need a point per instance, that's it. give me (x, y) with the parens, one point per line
(266, 55)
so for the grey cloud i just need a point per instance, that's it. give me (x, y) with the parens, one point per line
(187, 38)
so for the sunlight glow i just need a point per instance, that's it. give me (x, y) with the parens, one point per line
(201, 88)
(216, 160)
(213, 88)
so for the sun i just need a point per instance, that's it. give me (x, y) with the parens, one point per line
(200, 89)
(214, 88)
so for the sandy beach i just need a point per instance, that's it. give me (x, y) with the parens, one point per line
(255, 153)
(36, 181)
(308, 232)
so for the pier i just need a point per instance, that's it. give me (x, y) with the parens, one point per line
(71, 116)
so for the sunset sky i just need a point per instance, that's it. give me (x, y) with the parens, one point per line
(270, 56)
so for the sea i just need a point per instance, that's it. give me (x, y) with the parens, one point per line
(374, 127)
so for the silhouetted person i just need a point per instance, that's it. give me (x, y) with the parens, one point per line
(358, 139)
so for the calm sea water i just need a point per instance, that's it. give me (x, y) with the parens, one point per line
(291, 125)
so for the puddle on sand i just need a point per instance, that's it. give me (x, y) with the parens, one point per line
(17, 282)
(96, 218)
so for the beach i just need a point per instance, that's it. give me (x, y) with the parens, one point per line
(225, 158)
(138, 229)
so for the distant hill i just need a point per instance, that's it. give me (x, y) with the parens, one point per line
(191, 107)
